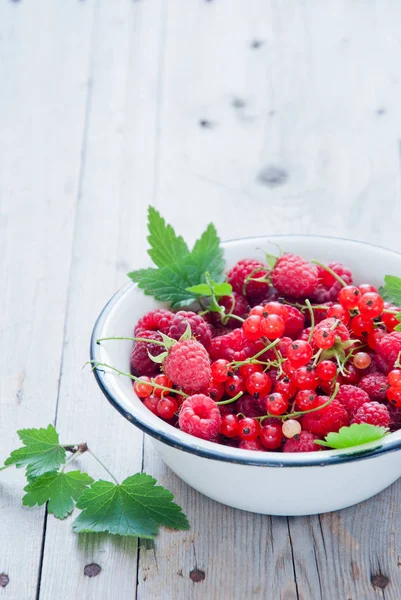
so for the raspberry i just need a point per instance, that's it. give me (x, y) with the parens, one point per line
(249, 406)
(352, 398)
(328, 287)
(237, 305)
(188, 366)
(155, 320)
(199, 328)
(233, 346)
(295, 323)
(293, 276)
(304, 442)
(373, 413)
(141, 363)
(389, 346)
(200, 416)
(252, 445)
(375, 385)
(395, 417)
(323, 421)
(241, 271)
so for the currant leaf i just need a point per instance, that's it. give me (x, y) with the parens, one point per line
(136, 507)
(166, 248)
(60, 490)
(354, 435)
(391, 291)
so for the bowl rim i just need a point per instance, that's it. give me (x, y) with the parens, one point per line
(210, 450)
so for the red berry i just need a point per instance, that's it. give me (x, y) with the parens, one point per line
(141, 362)
(220, 370)
(151, 403)
(143, 387)
(306, 399)
(229, 425)
(337, 311)
(305, 378)
(233, 346)
(324, 338)
(351, 398)
(361, 360)
(249, 368)
(286, 387)
(251, 445)
(394, 378)
(328, 287)
(394, 396)
(389, 347)
(305, 442)
(349, 296)
(235, 304)
(234, 385)
(252, 327)
(375, 385)
(215, 390)
(299, 353)
(272, 326)
(361, 326)
(200, 416)
(293, 276)
(167, 407)
(163, 380)
(276, 404)
(258, 384)
(256, 311)
(295, 323)
(248, 429)
(372, 413)
(155, 320)
(390, 320)
(276, 308)
(374, 336)
(351, 377)
(326, 370)
(243, 275)
(291, 428)
(200, 329)
(288, 368)
(366, 287)
(271, 435)
(371, 305)
(324, 420)
(188, 365)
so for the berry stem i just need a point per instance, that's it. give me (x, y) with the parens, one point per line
(397, 364)
(103, 465)
(222, 402)
(237, 363)
(333, 273)
(312, 320)
(152, 381)
(133, 339)
(75, 455)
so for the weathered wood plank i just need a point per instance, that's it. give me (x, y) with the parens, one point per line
(117, 184)
(42, 106)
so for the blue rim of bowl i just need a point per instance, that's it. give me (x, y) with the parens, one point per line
(262, 459)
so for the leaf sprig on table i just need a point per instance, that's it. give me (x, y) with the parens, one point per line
(136, 507)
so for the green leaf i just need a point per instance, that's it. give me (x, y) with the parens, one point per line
(397, 327)
(41, 451)
(136, 507)
(391, 290)
(163, 285)
(159, 359)
(216, 289)
(59, 489)
(354, 435)
(271, 260)
(202, 289)
(166, 248)
(207, 255)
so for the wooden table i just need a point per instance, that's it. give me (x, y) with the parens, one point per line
(262, 116)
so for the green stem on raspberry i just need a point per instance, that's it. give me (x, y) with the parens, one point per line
(230, 400)
(96, 365)
(333, 273)
(133, 339)
(312, 320)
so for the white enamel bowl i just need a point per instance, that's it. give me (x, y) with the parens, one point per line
(263, 482)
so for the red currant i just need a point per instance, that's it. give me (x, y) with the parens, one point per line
(234, 385)
(327, 386)
(366, 287)
(299, 353)
(394, 378)
(286, 387)
(167, 407)
(361, 326)
(215, 390)
(272, 326)
(142, 388)
(324, 338)
(349, 296)
(291, 428)
(326, 370)
(271, 436)
(305, 378)
(165, 382)
(394, 396)
(252, 328)
(362, 360)
(371, 305)
(248, 429)
(337, 311)
(151, 403)
(306, 399)
(229, 425)
(276, 308)
(276, 404)
(351, 377)
(374, 336)
(258, 384)
(220, 370)
(256, 310)
(288, 367)
(390, 320)
(249, 368)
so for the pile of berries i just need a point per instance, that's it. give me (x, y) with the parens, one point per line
(297, 351)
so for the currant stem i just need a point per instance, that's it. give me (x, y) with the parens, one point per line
(312, 320)
(75, 455)
(152, 381)
(397, 364)
(222, 402)
(237, 363)
(333, 273)
(133, 339)
(103, 465)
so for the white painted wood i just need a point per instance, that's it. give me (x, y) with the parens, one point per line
(42, 105)
(117, 185)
